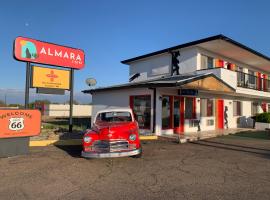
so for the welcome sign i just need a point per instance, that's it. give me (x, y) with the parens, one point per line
(19, 123)
(30, 50)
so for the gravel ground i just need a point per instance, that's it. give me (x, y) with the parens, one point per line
(220, 168)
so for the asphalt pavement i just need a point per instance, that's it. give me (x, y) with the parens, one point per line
(219, 168)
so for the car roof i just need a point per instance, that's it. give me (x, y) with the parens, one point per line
(115, 110)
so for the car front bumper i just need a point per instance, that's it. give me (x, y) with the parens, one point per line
(111, 154)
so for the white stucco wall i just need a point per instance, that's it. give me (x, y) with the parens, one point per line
(152, 67)
(118, 99)
(160, 65)
(228, 76)
(188, 60)
(62, 110)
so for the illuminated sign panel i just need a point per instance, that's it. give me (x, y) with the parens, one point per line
(29, 50)
(50, 78)
(19, 123)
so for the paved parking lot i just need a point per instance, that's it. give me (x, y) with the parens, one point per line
(221, 168)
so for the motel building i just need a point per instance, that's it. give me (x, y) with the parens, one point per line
(210, 84)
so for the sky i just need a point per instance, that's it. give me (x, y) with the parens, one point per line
(114, 30)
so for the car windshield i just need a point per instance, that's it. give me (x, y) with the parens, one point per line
(114, 117)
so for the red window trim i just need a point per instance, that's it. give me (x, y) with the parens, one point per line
(182, 114)
(263, 105)
(264, 83)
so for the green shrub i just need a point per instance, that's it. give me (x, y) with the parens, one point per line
(263, 117)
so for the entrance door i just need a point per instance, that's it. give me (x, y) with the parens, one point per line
(178, 114)
(220, 113)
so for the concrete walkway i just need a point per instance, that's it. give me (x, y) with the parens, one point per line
(194, 136)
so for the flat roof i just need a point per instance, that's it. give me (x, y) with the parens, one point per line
(211, 43)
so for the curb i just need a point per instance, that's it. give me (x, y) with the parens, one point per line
(71, 142)
(43, 143)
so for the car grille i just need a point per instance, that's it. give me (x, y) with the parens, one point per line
(112, 146)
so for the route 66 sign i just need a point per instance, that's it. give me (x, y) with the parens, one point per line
(19, 123)
(16, 124)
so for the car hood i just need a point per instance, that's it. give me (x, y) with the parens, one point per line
(116, 130)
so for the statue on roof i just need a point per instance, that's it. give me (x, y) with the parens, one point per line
(175, 63)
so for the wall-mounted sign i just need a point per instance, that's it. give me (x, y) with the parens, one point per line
(19, 123)
(188, 92)
(29, 50)
(50, 78)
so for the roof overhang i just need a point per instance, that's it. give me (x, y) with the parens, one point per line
(209, 83)
(206, 82)
(223, 46)
(236, 51)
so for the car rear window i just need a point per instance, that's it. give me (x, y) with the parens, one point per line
(114, 117)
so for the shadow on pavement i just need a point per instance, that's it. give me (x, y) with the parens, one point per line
(72, 150)
(63, 135)
(264, 135)
(245, 149)
(236, 145)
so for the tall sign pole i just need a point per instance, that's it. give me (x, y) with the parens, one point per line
(27, 85)
(35, 51)
(71, 100)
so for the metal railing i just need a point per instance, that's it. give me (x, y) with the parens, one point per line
(252, 82)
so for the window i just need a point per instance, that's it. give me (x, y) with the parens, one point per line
(210, 122)
(141, 106)
(190, 108)
(166, 112)
(114, 117)
(207, 107)
(207, 62)
(237, 110)
(251, 79)
(240, 77)
(193, 123)
(254, 108)
(210, 63)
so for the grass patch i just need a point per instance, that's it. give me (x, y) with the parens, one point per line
(61, 124)
(63, 127)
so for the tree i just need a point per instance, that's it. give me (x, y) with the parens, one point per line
(2, 103)
(45, 101)
(74, 102)
(15, 105)
(40, 102)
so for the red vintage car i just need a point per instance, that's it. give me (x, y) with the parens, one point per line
(114, 134)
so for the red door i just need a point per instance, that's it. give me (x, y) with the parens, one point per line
(178, 115)
(220, 113)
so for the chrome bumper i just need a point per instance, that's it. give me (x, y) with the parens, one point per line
(110, 154)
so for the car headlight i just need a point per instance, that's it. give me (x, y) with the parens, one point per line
(87, 139)
(132, 137)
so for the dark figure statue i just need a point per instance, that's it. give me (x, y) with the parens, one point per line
(27, 52)
(134, 77)
(175, 62)
(226, 117)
